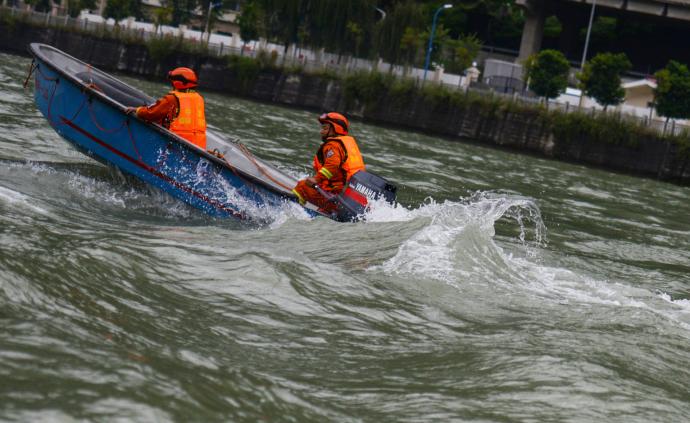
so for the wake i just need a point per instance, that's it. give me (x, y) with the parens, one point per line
(458, 246)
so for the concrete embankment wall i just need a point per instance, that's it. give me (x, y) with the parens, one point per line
(525, 131)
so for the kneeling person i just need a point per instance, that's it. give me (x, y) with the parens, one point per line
(337, 159)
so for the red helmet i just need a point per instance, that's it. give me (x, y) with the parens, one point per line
(338, 122)
(182, 78)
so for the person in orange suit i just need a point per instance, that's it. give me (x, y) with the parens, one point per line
(181, 110)
(336, 160)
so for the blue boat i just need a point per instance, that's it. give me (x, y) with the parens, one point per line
(87, 107)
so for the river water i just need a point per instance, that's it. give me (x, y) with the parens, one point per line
(502, 288)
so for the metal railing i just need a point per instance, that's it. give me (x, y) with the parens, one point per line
(524, 98)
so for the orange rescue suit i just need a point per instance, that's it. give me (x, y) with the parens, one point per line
(337, 159)
(190, 122)
(182, 113)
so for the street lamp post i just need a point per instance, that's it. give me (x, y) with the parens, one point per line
(584, 53)
(431, 36)
(211, 6)
(589, 31)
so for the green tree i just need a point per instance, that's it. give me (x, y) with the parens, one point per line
(461, 53)
(282, 19)
(162, 16)
(410, 44)
(552, 27)
(181, 11)
(547, 73)
(604, 31)
(389, 32)
(248, 22)
(341, 26)
(672, 95)
(355, 35)
(74, 7)
(120, 9)
(440, 41)
(355, 26)
(505, 21)
(38, 5)
(601, 78)
(303, 34)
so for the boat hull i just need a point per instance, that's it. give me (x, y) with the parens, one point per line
(99, 127)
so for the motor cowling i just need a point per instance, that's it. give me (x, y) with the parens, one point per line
(363, 188)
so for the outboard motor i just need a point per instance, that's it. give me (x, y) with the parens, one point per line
(362, 188)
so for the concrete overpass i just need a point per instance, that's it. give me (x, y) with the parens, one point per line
(536, 12)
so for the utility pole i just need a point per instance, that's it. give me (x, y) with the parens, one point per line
(589, 32)
(211, 5)
(584, 53)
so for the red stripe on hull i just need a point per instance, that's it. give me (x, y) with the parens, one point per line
(153, 171)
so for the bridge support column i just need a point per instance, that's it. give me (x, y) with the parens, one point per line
(533, 32)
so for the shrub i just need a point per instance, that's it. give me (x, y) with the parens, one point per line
(267, 60)
(160, 48)
(245, 69)
(195, 47)
(403, 90)
(7, 21)
(603, 128)
(682, 140)
(367, 87)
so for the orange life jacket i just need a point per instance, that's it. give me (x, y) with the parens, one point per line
(353, 158)
(190, 122)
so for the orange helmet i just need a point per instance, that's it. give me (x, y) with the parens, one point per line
(338, 122)
(182, 78)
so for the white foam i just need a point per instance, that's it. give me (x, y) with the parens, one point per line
(456, 226)
(457, 246)
(92, 189)
(17, 198)
(682, 305)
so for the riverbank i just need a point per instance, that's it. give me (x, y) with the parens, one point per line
(609, 141)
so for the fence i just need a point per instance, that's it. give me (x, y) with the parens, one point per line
(660, 125)
(323, 62)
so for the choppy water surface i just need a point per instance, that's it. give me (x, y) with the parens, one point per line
(503, 288)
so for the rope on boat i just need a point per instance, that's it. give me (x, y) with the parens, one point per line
(77, 112)
(221, 156)
(131, 137)
(98, 125)
(249, 156)
(50, 102)
(261, 169)
(32, 66)
(47, 78)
